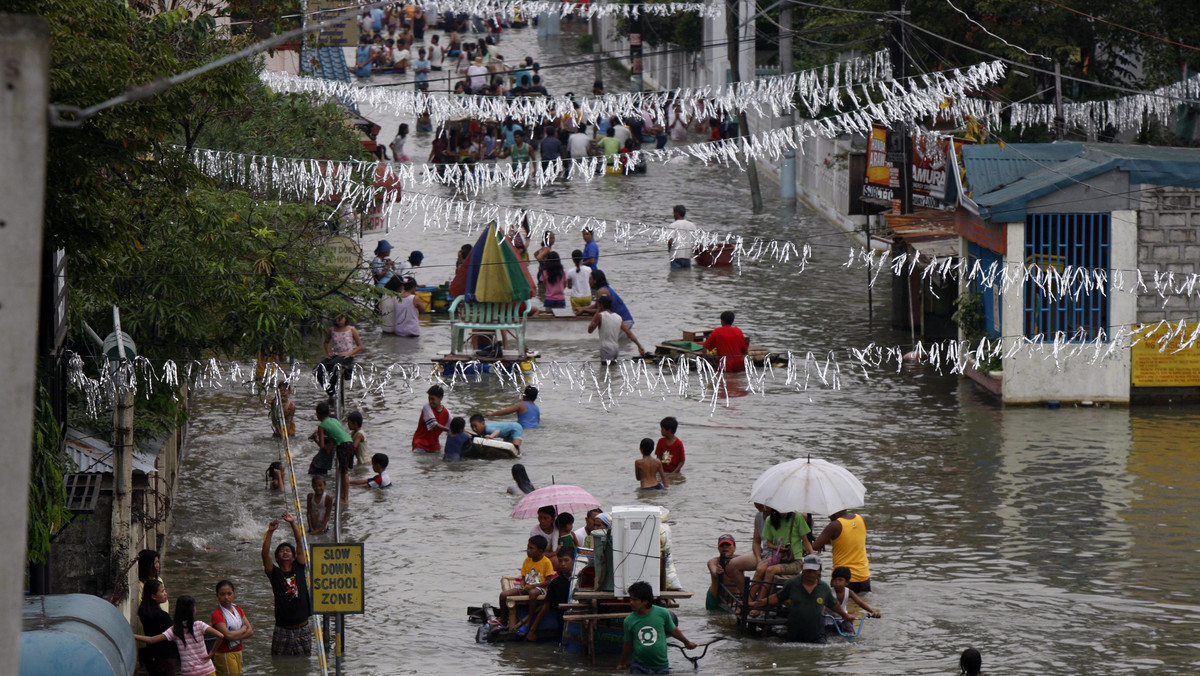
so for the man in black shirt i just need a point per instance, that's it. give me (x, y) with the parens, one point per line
(287, 572)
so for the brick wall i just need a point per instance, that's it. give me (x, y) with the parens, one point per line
(1169, 240)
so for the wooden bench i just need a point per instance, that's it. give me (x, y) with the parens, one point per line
(467, 316)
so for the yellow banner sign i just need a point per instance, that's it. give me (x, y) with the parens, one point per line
(1171, 366)
(337, 578)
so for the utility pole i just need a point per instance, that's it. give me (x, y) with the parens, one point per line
(635, 48)
(596, 43)
(787, 170)
(1060, 122)
(733, 48)
(900, 152)
(24, 97)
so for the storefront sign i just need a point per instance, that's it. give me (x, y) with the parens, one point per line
(337, 578)
(344, 33)
(930, 163)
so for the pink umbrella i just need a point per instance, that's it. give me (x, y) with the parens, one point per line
(562, 497)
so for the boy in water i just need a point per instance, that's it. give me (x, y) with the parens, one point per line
(536, 571)
(669, 448)
(646, 632)
(505, 431)
(648, 469)
(289, 412)
(320, 506)
(839, 581)
(431, 424)
(458, 441)
(354, 421)
(333, 439)
(379, 463)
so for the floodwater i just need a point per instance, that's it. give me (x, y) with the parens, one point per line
(1055, 541)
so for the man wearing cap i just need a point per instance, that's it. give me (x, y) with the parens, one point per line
(810, 599)
(718, 572)
(406, 267)
(382, 268)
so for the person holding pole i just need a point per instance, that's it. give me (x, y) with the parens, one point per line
(292, 635)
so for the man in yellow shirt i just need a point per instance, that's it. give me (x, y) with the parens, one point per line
(847, 532)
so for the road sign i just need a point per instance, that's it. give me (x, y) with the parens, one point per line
(337, 578)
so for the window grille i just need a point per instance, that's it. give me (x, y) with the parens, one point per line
(1066, 242)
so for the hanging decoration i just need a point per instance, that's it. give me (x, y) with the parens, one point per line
(606, 384)
(770, 95)
(321, 179)
(1053, 284)
(600, 8)
(1126, 113)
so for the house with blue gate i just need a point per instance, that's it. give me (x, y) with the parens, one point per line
(1122, 221)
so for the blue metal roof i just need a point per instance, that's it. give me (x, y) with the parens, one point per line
(328, 63)
(991, 167)
(1004, 180)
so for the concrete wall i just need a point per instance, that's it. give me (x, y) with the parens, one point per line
(1032, 380)
(1168, 241)
(81, 558)
(704, 68)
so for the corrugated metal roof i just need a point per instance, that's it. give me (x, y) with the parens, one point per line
(991, 167)
(90, 453)
(328, 63)
(1044, 173)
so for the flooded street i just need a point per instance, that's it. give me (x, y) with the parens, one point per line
(1054, 541)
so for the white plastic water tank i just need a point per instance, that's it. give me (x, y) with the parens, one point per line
(635, 546)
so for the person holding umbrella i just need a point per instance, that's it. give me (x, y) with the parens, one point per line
(847, 532)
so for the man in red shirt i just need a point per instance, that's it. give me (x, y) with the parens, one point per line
(728, 341)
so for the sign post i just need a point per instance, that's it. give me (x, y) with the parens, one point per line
(337, 585)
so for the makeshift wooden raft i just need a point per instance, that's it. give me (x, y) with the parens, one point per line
(692, 347)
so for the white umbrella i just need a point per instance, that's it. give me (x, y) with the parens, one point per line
(808, 486)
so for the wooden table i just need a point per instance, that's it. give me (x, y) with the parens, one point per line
(588, 610)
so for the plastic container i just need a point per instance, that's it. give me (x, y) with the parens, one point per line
(425, 293)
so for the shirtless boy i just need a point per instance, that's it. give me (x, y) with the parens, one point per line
(648, 469)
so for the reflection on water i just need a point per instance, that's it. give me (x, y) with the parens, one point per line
(1054, 541)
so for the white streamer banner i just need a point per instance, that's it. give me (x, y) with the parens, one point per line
(773, 95)
(1126, 113)
(923, 97)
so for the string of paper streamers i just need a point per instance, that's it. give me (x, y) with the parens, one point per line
(607, 383)
(469, 216)
(321, 180)
(1052, 283)
(531, 8)
(1126, 113)
(816, 87)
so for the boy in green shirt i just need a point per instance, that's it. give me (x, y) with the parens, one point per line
(331, 437)
(646, 631)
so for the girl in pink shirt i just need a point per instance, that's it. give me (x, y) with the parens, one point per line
(188, 635)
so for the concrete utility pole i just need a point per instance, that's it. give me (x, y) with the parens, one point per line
(635, 49)
(596, 46)
(122, 509)
(902, 153)
(733, 47)
(24, 118)
(1060, 122)
(787, 170)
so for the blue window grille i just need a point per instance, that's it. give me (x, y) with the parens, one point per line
(992, 305)
(1060, 241)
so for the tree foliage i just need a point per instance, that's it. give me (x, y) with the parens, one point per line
(1084, 48)
(198, 269)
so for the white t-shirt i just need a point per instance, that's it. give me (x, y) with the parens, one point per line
(577, 144)
(400, 56)
(478, 75)
(610, 335)
(381, 480)
(580, 535)
(622, 134)
(579, 280)
(553, 537)
(682, 227)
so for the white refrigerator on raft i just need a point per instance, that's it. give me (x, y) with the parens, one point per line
(636, 549)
